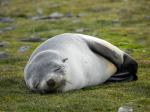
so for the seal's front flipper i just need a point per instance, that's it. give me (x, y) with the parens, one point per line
(126, 66)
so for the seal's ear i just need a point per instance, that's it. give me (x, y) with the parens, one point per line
(64, 60)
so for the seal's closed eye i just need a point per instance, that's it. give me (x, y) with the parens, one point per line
(64, 60)
(57, 69)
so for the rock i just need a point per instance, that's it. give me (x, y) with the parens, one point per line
(4, 3)
(125, 0)
(76, 20)
(33, 39)
(81, 14)
(69, 14)
(99, 9)
(143, 50)
(55, 5)
(6, 20)
(56, 15)
(115, 21)
(23, 48)
(3, 44)
(37, 17)
(123, 11)
(125, 109)
(3, 55)
(39, 11)
(147, 17)
(81, 30)
(9, 28)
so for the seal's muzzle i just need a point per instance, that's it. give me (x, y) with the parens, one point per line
(51, 83)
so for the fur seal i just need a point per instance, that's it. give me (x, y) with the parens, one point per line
(72, 61)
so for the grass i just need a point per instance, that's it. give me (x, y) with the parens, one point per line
(124, 23)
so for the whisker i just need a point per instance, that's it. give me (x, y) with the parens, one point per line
(35, 84)
(68, 82)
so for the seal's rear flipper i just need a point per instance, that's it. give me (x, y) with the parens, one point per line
(126, 66)
(121, 77)
(127, 71)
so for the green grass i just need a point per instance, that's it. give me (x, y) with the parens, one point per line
(122, 23)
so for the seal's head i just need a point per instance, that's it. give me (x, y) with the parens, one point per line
(46, 72)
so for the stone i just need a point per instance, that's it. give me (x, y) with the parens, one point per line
(39, 11)
(23, 48)
(9, 28)
(33, 39)
(80, 30)
(76, 20)
(56, 15)
(55, 5)
(147, 17)
(6, 20)
(3, 55)
(69, 14)
(81, 14)
(116, 21)
(3, 44)
(37, 17)
(4, 3)
(125, 0)
(99, 9)
(125, 109)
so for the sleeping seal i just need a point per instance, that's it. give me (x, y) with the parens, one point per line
(73, 61)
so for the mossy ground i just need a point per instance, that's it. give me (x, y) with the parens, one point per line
(125, 23)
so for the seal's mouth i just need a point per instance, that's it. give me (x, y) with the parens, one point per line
(50, 86)
(55, 86)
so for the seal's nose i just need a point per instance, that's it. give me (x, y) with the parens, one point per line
(51, 83)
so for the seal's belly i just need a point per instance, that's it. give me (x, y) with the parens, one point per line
(99, 69)
(93, 69)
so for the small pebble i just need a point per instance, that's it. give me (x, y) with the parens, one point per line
(9, 28)
(56, 15)
(23, 48)
(69, 14)
(33, 39)
(39, 11)
(3, 55)
(81, 14)
(80, 30)
(6, 20)
(3, 44)
(125, 109)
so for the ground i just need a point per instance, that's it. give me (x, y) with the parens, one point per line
(124, 23)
